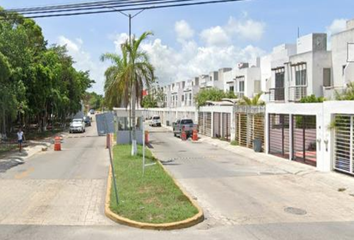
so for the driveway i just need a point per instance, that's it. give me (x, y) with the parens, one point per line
(235, 190)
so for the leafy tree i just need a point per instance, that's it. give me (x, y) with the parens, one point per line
(212, 94)
(35, 79)
(208, 94)
(149, 101)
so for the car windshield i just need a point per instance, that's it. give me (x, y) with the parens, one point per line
(187, 121)
(77, 120)
(156, 118)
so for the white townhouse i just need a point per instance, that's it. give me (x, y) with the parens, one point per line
(298, 70)
(342, 45)
(244, 80)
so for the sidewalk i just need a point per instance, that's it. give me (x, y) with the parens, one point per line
(31, 148)
(334, 180)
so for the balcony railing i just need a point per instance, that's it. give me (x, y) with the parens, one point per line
(276, 94)
(332, 92)
(296, 93)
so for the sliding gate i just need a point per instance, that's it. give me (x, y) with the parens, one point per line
(279, 135)
(343, 144)
(304, 139)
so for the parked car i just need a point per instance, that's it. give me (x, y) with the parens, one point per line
(87, 121)
(155, 121)
(183, 124)
(77, 125)
(92, 111)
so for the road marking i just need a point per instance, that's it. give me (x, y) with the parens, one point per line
(24, 174)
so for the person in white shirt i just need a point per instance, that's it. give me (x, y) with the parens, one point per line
(20, 138)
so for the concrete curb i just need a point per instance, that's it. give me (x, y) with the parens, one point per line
(199, 217)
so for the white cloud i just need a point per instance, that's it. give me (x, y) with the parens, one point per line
(215, 36)
(338, 25)
(218, 48)
(193, 60)
(119, 40)
(183, 30)
(84, 61)
(246, 28)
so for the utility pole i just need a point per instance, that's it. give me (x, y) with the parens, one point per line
(132, 86)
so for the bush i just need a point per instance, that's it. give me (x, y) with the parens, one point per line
(234, 143)
(212, 94)
(312, 99)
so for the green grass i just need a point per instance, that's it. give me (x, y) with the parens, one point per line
(152, 198)
(4, 148)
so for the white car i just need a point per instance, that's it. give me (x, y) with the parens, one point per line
(77, 125)
(155, 121)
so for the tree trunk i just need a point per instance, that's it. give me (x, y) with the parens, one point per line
(134, 144)
(3, 121)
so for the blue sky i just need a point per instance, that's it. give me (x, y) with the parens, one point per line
(192, 40)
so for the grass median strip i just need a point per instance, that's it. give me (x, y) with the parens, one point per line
(152, 198)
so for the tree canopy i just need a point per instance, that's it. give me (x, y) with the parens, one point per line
(37, 81)
(211, 94)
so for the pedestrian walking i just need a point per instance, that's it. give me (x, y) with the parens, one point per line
(20, 138)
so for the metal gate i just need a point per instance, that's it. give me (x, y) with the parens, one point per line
(226, 125)
(208, 124)
(248, 128)
(343, 145)
(217, 125)
(201, 128)
(241, 129)
(279, 135)
(304, 139)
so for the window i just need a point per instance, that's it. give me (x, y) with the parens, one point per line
(257, 86)
(241, 86)
(231, 89)
(279, 80)
(187, 121)
(182, 98)
(327, 77)
(300, 76)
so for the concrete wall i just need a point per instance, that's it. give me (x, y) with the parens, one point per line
(339, 46)
(324, 113)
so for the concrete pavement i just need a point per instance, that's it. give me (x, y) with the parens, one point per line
(241, 189)
(58, 188)
(61, 195)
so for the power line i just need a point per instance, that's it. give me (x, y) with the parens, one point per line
(110, 6)
(124, 3)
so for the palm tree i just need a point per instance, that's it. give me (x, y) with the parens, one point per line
(117, 86)
(255, 101)
(141, 72)
(126, 79)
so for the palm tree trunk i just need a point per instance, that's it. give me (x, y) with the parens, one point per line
(134, 144)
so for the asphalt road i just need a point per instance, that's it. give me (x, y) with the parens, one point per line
(60, 195)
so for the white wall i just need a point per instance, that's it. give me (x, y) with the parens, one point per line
(339, 57)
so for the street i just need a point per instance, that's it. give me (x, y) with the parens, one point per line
(60, 195)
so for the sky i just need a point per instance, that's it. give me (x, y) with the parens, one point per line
(193, 40)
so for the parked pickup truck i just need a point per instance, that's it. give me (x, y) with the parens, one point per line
(186, 124)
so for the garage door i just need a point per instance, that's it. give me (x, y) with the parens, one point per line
(279, 135)
(304, 139)
(343, 145)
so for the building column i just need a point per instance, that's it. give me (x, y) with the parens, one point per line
(291, 136)
(232, 125)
